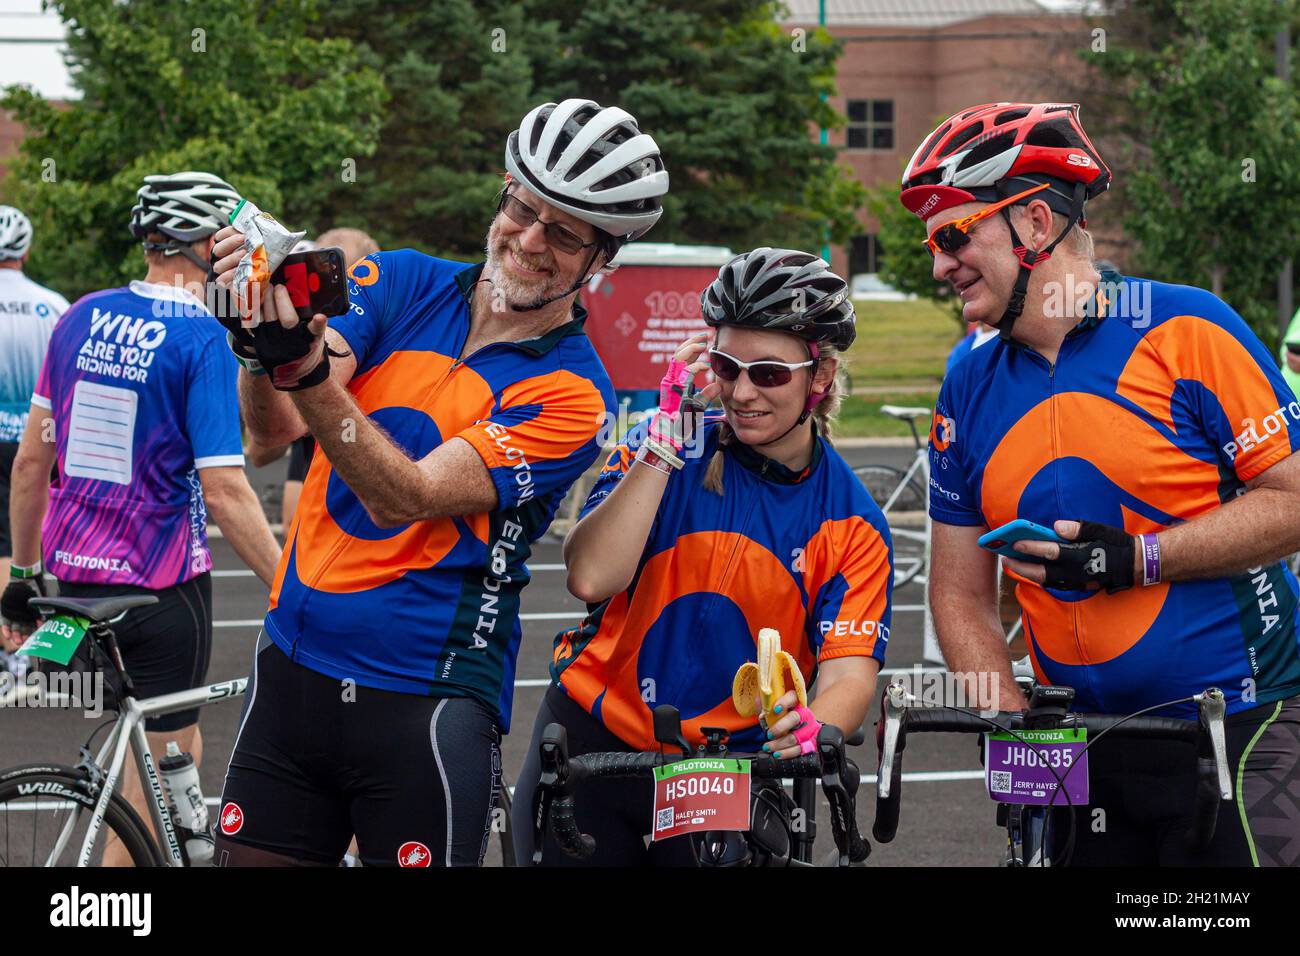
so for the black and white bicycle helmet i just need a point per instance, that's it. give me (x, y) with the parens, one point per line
(785, 290)
(185, 207)
(15, 233)
(592, 162)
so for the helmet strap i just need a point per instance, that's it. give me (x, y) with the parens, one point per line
(1030, 258)
(173, 246)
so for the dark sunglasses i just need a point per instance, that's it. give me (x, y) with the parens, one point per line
(522, 214)
(762, 374)
(951, 236)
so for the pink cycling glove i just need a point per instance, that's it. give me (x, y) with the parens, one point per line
(666, 427)
(806, 734)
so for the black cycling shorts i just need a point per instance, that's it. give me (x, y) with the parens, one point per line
(8, 450)
(300, 453)
(1146, 791)
(166, 647)
(616, 812)
(317, 760)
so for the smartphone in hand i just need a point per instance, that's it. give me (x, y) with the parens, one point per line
(316, 280)
(1000, 540)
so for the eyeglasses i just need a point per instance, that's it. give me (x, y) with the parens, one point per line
(763, 374)
(951, 236)
(522, 214)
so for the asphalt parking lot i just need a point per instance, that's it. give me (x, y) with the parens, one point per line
(947, 819)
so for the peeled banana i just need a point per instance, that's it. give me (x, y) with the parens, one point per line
(766, 680)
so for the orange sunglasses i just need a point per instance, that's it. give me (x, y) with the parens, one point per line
(951, 236)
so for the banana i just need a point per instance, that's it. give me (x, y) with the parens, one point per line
(766, 680)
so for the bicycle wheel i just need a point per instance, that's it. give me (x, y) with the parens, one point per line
(906, 516)
(37, 801)
(881, 481)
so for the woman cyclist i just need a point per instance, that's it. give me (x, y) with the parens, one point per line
(682, 558)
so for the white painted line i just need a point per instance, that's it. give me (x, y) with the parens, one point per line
(917, 776)
(887, 672)
(245, 573)
(929, 776)
(546, 616)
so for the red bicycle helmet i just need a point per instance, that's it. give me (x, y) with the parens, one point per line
(985, 153)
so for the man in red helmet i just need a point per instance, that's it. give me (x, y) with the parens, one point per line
(1149, 428)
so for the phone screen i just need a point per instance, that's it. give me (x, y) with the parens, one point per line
(316, 281)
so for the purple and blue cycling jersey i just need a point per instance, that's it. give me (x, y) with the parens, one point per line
(142, 390)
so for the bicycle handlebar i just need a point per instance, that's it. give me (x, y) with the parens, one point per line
(902, 718)
(555, 801)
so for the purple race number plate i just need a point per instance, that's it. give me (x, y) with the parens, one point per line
(1026, 770)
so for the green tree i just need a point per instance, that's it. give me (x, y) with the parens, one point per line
(1207, 152)
(730, 98)
(222, 86)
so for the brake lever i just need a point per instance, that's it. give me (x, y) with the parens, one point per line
(1212, 711)
(895, 706)
(830, 750)
(554, 756)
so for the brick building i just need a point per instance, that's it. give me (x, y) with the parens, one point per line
(909, 64)
(11, 134)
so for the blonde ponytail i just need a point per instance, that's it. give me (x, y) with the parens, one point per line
(829, 407)
(713, 474)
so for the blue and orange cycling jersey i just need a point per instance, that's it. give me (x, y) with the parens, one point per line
(807, 554)
(1156, 412)
(432, 607)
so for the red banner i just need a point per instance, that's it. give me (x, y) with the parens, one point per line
(639, 317)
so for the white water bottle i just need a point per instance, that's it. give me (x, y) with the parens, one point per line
(189, 812)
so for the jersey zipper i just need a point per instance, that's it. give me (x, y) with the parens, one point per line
(727, 571)
(1054, 421)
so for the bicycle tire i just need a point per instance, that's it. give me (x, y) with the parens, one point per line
(69, 783)
(881, 481)
(507, 834)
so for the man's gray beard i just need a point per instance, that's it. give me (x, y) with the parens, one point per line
(510, 288)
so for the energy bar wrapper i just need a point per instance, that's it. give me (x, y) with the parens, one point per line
(266, 243)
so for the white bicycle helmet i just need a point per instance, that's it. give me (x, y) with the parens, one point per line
(15, 233)
(186, 207)
(592, 162)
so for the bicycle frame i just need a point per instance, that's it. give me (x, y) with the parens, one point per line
(129, 732)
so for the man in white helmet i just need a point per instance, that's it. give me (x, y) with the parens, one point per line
(453, 406)
(28, 312)
(136, 404)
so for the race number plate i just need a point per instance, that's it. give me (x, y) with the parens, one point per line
(711, 793)
(1026, 773)
(57, 639)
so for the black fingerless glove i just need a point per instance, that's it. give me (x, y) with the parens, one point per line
(13, 603)
(1101, 557)
(294, 358)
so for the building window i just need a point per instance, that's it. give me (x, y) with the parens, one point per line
(864, 255)
(871, 125)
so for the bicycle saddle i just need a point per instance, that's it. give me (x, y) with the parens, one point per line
(99, 611)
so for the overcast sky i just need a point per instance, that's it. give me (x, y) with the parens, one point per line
(36, 64)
